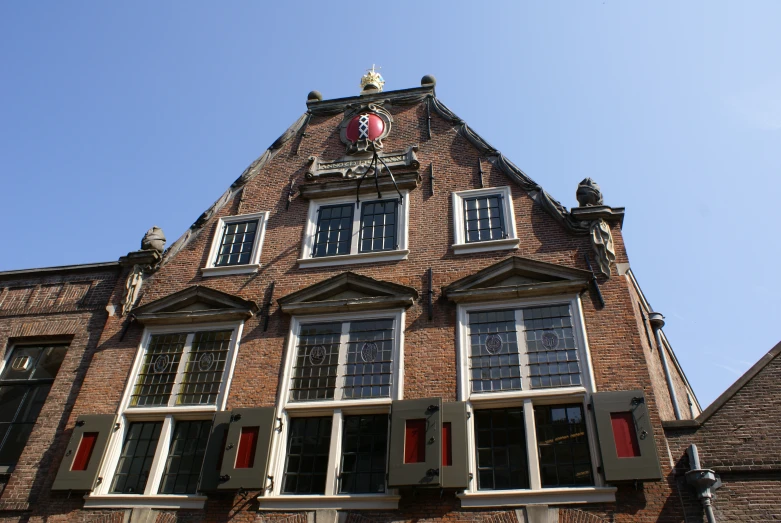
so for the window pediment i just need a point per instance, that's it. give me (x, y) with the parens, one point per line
(348, 292)
(195, 304)
(517, 277)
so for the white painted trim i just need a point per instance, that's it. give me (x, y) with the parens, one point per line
(402, 233)
(356, 501)
(460, 245)
(552, 496)
(162, 501)
(257, 247)
(535, 480)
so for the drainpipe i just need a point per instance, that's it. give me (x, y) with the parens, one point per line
(657, 322)
(704, 481)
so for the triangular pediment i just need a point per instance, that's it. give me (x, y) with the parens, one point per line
(195, 304)
(517, 277)
(348, 292)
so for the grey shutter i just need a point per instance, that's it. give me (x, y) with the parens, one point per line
(646, 465)
(457, 474)
(252, 478)
(210, 474)
(415, 474)
(67, 479)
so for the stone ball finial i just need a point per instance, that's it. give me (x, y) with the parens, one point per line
(314, 96)
(154, 239)
(428, 80)
(588, 193)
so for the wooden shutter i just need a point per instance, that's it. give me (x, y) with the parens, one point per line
(246, 449)
(626, 437)
(215, 448)
(456, 474)
(416, 443)
(84, 454)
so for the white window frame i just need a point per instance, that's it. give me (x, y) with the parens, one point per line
(400, 253)
(254, 263)
(528, 398)
(460, 245)
(169, 414)
(287, 409)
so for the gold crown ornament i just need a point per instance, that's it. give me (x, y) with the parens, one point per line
(372, 80)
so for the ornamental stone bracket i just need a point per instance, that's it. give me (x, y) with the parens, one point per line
(353, 166)
(144, 261)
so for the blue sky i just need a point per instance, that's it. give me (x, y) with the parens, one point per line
(118, 116)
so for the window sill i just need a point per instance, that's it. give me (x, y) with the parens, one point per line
(508, 498)
(557, 393)
(491, 245)
(356, 501)
(164, 409)
(140, 501)
(349, 259)
(231, 269)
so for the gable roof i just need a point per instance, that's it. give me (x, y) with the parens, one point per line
(195, 304)
(348, 292)
(517, 277)
(404, 97)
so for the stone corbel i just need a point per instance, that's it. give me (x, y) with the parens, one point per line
(143, 263)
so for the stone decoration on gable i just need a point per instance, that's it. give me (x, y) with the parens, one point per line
(144, 261)
(590, 195)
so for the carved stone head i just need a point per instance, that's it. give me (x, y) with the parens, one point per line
(154, 239)
(588, 193)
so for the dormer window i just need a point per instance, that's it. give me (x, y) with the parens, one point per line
(237, 245)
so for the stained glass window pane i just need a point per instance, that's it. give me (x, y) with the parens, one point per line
(306, 465)
(483, 218)
(368, 371)
(493, 351)
(158, 370)
(550, 343)
(317, 361)
(237, 242)
(185, 457)
(378, 226)
(501, 449)
(135, 461)
(334, 230)
(204, 368)
(364, 444)
(565, 459)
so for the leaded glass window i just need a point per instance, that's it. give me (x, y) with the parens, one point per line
(501, 449)
(378, 226)
(494, 357)
(317, 360)
(306, 465)
(565, 459)
(205, 368)
(551, 348)
(483, 218)
(334, 230)
(158, 370)
(185, 457)
(24, 386)
(368, 373)
(238, 240)
(135, 461)
(364, 448)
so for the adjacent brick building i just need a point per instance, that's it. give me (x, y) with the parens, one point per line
(332, 342)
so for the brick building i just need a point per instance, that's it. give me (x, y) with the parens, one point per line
(382, 319)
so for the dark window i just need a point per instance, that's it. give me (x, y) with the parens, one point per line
(138, 451)
(237, 242)
(185, 457)
(378, 226)
(483, 218)
(334, 230)
(501, 449)
(24, 385)
(364, 445)
(494, 358)
(550, 344)
(563, 446)
(306, 466)
(317, 361)
(158, 370)
(369, 359)
(205, 368)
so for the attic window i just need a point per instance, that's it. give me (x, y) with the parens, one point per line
(237, 245)
(485, 220)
